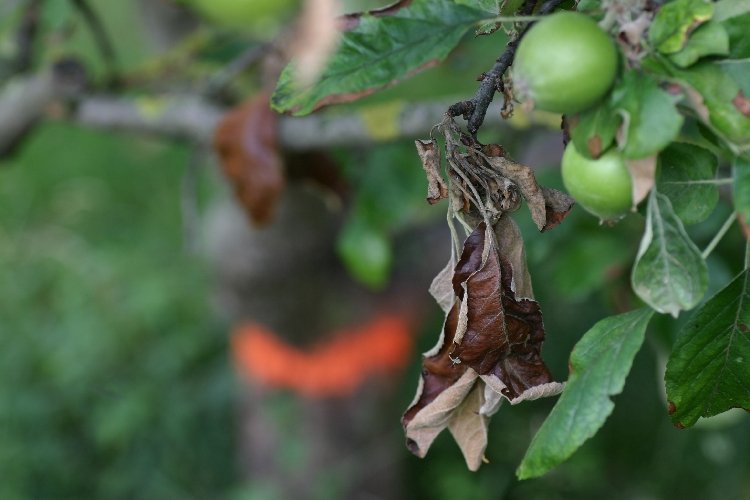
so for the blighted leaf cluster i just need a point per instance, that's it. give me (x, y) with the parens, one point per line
(490, 346)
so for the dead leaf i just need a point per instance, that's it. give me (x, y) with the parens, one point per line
(557, 205)
(510, 245)
(503, 334)
(441, 287)
(247, 144)
(424, 426)
(489, 348)
(429, 153)
(438, 371)
(642, 172)
(468, 426)
(523, 177)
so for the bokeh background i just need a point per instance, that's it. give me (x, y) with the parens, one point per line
(131, 280)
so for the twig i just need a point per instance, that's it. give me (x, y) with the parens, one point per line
(475, 110)
(103, 42)
(26, 36)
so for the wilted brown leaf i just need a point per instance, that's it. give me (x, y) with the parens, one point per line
(246, 142)
(441, 287)
(429, 153)
(468, 426)
(523, 177)
(557, 205)
(503, 334)
(489, 348)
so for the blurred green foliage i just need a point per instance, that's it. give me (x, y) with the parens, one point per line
(114, 380)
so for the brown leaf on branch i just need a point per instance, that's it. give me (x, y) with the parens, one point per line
(503, 333)
(489, 348)
(557, 206)
(247, 145)
(429, 153)
(548, 207)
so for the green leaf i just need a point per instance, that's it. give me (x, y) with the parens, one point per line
(669, 273)
(739, 71)
(739, 41)
(595, 129)
(491, 6)
(674, 21)
(708, 372)
(741, 192)
(727, 9)
(719, 85)
(366, 252)
(599, 364)
(713, 88)
(509, 7)
(685, 174)
(650, 119)
(709, 39)
(587, 263)
(379, 52)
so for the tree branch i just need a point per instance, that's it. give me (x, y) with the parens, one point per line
(475, 110)
(194, 118)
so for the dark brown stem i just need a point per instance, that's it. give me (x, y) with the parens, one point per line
(492, 80)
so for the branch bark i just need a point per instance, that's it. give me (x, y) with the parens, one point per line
(193, 118)
(475, 110)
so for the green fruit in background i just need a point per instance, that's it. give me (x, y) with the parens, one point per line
(250, 15)
(603, 186)
(564, 64)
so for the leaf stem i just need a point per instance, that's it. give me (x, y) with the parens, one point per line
(720, 235)
(747, 254)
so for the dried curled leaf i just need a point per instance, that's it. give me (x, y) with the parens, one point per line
(441, 287)
(489, 348)
(247, 146)
(523, 177)
(548, 207)
(557, 205)
(503, 334)
(429, 153)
